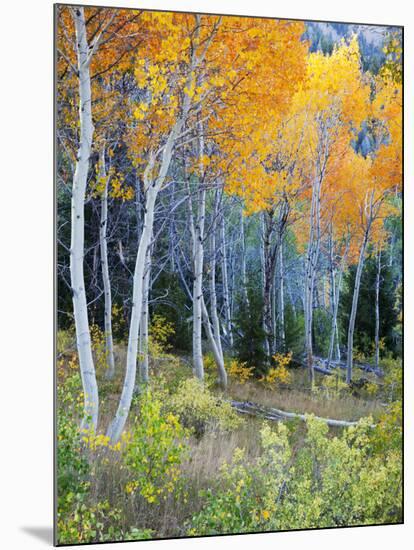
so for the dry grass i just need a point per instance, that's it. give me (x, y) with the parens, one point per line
(299, 398)
(169, 517)
(206, 455)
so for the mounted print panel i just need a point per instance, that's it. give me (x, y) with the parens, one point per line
(229, 274)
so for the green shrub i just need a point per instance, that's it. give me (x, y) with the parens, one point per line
(250, 337)
(153, 450)
(330, 481)
(72, 464)
(246, 494)
(201, 410)
(96, 523)
(339, 481)
(65, 341)
(393, 378)
(79, 519)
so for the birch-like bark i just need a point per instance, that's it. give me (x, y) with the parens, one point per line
(213, 292)
(143, 329)
(269, 266)
(198, 263)
(336, 287)
(152, 187)
(80, 311)
(352, 317)
(310, 272)
(275, 315)
(217, 353)
(109, 346)
(224, 274)
(243, 260)
(281, 298)
(266, 315)
(371, 212)
(377, 312)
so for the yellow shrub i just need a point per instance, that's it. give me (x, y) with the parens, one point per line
(153, 450)
(209, 363)
(118, 321)
(99, 348)
(240, 371)
(158, 334)
(372, 388)
(282, 360)
(278, 375)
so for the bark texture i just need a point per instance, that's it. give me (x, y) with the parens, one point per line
(80, 311)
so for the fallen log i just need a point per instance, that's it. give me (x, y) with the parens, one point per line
(269, 413)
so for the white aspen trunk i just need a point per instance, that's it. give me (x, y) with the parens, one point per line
(269, 265)
(116, 427)
(333, 296)
(351, 327)
(336, 290)
(243, 260)
(264, 271)
(226, 298)
(338, 349)
(80, 311)
(217, 353)
(152, 187)
(281, 298)
(377, 312)
(198, 262)
(197, 298)
(275, 316)
(310, 270)
(232, 257)
(213, 293)
(109, 346)
(143, 329)
(324, 291)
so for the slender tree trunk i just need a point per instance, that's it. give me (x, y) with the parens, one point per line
(143, 329)
(80, 311)
(265, 295)
(152, 188)
(226, 296)
(198, 264)
(243, 260)
(310, 273)
(213, 293)
(377, 311)
(269, 261)
(335, 293)
(275, 314)
(198, 254)
(109, 346)
(352, 317)
(217, 353)
(282, 337)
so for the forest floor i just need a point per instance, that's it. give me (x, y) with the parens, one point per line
(214, 448)
(326, 401)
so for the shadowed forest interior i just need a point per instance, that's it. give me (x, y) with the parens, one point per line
(229, 266)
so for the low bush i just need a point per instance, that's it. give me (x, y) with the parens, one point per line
(199, 409)
(330, 481)
(153, 450)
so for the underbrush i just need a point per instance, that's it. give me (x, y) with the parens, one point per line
(188, 464)
(325, 401)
